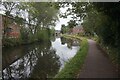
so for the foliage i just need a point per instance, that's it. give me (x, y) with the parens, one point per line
(64, 29)
(42, 35)
(24, 35)
(9, 7)
(72, 24)
(52, 31)
(7, 42)
(44, 14)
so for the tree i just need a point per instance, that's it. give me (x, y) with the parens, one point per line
(72, 24)
(9, 7)
(64, 29)
(44, 14)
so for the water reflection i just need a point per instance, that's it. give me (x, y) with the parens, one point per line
(70, 42)
(40, 60)
(64, 51)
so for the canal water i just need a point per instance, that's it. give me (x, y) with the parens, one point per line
(38, 60)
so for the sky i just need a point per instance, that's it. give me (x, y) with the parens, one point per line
(62, 20)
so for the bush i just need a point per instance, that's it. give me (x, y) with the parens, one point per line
(11, 42)
(42, 35)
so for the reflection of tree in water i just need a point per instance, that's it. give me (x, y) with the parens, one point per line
(41, 45)
(68, 41)
(52, 38)
(47, 66)
(9, 55)
(63, 40)
(40, 61)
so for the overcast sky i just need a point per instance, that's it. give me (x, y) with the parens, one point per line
(62, 20)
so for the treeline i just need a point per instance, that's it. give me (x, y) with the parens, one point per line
(105, 22)
(101, 20)
(35, 19)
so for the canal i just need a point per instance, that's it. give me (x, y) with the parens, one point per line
(38, 60)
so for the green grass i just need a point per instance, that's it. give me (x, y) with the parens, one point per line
(73, 66)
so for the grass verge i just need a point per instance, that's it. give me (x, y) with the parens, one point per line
(75, 64)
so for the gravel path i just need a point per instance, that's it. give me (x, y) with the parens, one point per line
(97, 65)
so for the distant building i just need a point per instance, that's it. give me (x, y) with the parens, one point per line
(77, 30)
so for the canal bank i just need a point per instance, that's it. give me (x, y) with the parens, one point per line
(75, 64)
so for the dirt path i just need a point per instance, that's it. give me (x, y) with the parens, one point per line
(96, 64)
